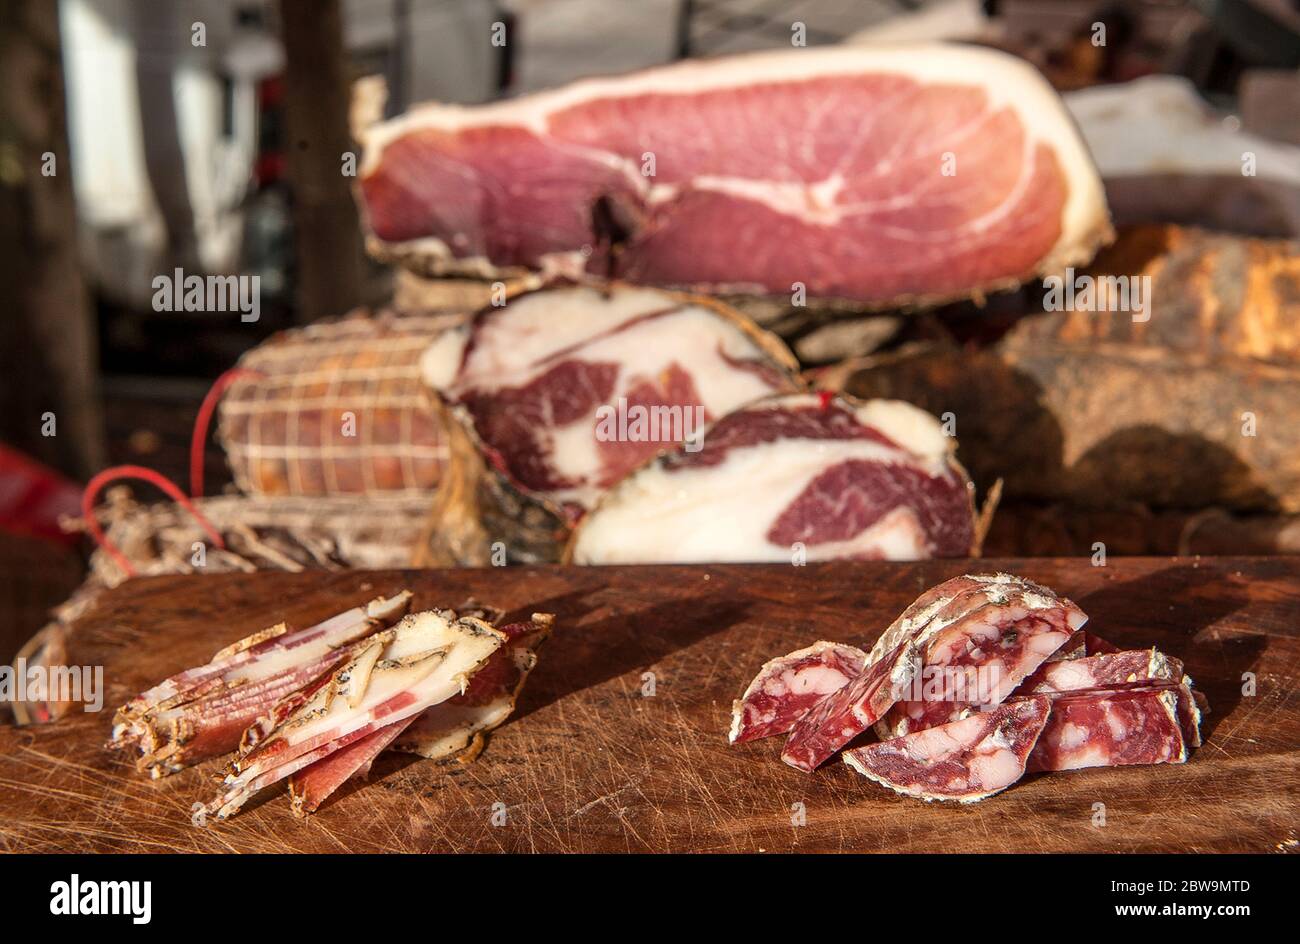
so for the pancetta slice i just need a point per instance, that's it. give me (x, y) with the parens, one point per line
(787, 687)
(794, 478)
(965, 760)
(424, 660)
(457, 727)
(980, 636)
(314, 784)
(202, 712)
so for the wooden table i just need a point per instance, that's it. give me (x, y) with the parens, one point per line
(591, 762)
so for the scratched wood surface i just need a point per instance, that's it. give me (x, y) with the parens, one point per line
(590, 763)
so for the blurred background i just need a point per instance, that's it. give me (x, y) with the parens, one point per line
(140, 137)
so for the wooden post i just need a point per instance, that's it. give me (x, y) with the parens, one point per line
(327, 233)
(47, 334)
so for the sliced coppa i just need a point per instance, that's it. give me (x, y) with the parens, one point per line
(787, 687)
(1151, 725)
(840, 717)
(979, 638)
(799, 477)
(964, 760)
(568, 388)
(884, 175)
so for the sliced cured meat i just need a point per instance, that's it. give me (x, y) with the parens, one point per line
(313, 785)
(457, 727)
(979, 636)
(567, 389)
(786, 688)
(454, 727)
(1102, 671)
(424, 660)
(964, 760)
(884, 175)
(799, 477)
(1154, 725)
(840, 717)
(203, 711)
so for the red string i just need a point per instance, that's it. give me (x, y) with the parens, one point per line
(198, 441)
(824, 398)
(97, 483)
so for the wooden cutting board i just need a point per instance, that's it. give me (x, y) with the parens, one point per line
(592, 762)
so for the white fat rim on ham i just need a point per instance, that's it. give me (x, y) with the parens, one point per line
(1041, 112)
(662, 507)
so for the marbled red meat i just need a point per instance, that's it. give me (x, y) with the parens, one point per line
(965, 760)
(794, 478)
(787, 687)
(840, 717)
(882, 175)
(980, 637)
(569, 388)
(1152, 725)
(1102, 671)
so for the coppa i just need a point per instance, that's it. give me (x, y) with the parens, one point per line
(802, 475)
(536, 380)
(884, 175)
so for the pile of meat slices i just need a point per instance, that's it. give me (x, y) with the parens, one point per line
(316, 706)
(982, 678)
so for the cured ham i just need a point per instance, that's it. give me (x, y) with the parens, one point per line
(846, 713)
(794, 478)
(561, 392)
(424, 660)
(203, 712)
(980, 637)
(787, 687)
(1151, 725)
(887, 175)
(965, 761)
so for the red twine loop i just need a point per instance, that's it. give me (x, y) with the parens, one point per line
(96, 484)
(199, 438)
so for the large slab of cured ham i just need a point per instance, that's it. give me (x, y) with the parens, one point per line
(882, 175)
(623, 736)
